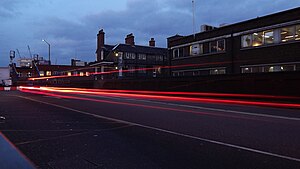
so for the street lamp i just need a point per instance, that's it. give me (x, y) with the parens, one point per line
(48, 49)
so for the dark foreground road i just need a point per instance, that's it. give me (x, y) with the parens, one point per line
(68, 130)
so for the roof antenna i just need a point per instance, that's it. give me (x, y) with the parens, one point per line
(193, 5)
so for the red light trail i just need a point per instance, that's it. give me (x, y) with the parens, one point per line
(47, 93)
(167, 96)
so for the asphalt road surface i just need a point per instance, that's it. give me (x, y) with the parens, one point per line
(62, 130)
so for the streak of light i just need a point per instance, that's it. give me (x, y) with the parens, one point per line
(141, 105)
(249, 96)
(124, 71)
(167, 98)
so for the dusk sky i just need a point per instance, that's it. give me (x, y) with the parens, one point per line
(71, 26)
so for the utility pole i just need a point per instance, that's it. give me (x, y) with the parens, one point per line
(48, 50)
(193, 5)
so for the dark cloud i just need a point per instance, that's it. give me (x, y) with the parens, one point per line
(145, 19)
(10, 8)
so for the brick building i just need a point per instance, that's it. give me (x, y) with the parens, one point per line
(129, 60)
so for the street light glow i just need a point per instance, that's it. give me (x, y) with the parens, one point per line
(48, 49)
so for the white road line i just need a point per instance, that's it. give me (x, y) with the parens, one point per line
(170, 132)
(207, 108)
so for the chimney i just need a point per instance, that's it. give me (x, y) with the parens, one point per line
(100, 44)
(129, 40)
(152, 42)
(100, 39)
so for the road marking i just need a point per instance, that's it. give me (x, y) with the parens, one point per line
(169, 132)
(204, 108)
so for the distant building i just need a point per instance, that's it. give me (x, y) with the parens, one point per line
(261, 45)
(76, 62)
(129, 60)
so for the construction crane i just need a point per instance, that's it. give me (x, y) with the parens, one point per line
(29, 51)
(18, 53)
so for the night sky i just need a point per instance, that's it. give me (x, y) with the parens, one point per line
(71, 26)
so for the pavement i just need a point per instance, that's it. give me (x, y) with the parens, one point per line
(56, 130)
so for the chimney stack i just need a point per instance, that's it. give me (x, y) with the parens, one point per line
(100, 44)
(152, 42)
(129, 40)
(100, 39)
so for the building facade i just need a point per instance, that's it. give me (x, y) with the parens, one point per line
(261, 45)
(129, 60)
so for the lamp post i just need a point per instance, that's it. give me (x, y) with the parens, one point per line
(48, 49)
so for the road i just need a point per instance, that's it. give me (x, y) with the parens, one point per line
(66, 128)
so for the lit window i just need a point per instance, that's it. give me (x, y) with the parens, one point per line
(246, 41)
(297, 36)
(81, 74)
(269, 37)
(217, 71)
(69, 74)
(48, 73)
(196, 49)
(29, 74)
(87, 73)
(42, 73)
(246, 70)
(287, 33)
(257, 39)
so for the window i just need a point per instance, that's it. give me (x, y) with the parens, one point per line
(221, 45)
(142, 56)
(287, 33)
(81, 74)
(269, 37)
(257, 39)
(176, 53)
(29, 74)
(196, 73)
(269, 68)
(130, 56)
(87, 73)
(246, 41)
(246, 70)
(55, 73)
(69, 74)
(213, 46)
(217, 71)
(196, 49)
(278, 35)
(159, 58)
(48, 73)
(176, 74)
(217, 46)
(297, 36)
(42, 73)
